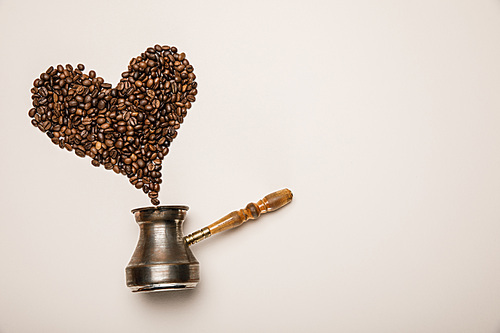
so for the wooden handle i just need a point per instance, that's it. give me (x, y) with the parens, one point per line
(234, 219)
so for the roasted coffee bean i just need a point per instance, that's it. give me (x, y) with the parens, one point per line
(128, 128)
(141, 163)
(101, 104)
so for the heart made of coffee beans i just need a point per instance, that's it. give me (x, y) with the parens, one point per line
(128, 128)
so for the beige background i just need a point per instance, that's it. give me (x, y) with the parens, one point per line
(383, 117)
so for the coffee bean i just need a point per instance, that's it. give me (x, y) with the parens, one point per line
(101, 104)
(128, 128)
(141, 163)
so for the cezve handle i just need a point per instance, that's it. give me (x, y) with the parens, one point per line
(270, 202)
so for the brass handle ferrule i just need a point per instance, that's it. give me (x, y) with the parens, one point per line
(197, 236)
